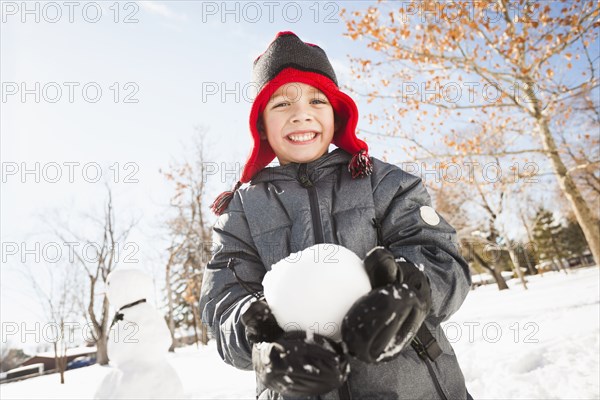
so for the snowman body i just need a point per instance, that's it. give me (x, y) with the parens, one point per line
(141, 335)
(138, 343)
(312, 290)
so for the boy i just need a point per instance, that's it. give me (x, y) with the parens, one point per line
(344, 197)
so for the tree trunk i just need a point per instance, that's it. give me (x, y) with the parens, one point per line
(101, 350)
(502, 285)
(196, 324)
(57, 362)
(565, 181)
(204, 333)
(560, 264)
(63, 368)
(495, 274)
(515, 260)
(556, 267)
(582, 260)
(170, 320)
(530, 268)
(565, 269)
(100, 334)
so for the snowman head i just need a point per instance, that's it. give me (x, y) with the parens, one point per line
(125, 286)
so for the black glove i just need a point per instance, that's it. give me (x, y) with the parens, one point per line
(291, 363)
(380, 324)
(260, 323)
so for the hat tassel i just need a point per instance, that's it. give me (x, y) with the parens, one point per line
(360, 164)
(222, 201)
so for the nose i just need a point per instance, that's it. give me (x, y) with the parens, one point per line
(302, 114)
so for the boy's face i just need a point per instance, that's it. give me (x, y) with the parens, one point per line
(298, 122)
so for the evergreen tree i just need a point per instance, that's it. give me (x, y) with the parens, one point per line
(573, 239)
(547, 233)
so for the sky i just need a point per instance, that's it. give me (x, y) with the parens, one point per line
(106, 92)
(110, 93)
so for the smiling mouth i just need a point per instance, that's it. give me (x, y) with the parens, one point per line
(302, 137)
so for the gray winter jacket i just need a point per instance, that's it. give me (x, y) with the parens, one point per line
(276, 215)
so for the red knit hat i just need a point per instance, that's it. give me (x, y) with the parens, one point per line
(286, 60)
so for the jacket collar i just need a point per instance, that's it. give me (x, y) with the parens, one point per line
(316, 169)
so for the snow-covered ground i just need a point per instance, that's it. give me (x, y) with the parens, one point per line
(541, 343)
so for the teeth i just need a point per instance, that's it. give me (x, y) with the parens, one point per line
(303, 137)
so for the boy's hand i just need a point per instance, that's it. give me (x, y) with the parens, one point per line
(291, 363)
(296, 365)
(260, 323)
(380, 324)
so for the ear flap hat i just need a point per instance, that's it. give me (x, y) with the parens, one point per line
(286, 60)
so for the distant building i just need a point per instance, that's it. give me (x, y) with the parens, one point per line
(24, 372)
(49, 362)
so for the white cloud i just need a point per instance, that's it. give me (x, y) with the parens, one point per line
(163, 10)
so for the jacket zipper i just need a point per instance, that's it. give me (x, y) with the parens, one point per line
(314, 203)
(422, 352)
(438, 387)
(344, 390)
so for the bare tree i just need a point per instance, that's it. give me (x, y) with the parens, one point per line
(489, 194)
(478, 250)
(451, 199)
(60, 296)
(527, 204)
(190, 246)
(98, 268)
(538, 63)
(582, 152)
(501, 191)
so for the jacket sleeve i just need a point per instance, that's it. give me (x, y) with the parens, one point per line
(223, 298)
(412, 229)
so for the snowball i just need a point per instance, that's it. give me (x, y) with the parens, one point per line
(313, 289)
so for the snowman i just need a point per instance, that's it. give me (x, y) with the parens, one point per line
(138, 343)
(312, 290)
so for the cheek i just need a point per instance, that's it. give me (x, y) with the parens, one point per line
(332, 123)
(273, 135)
(274, 124)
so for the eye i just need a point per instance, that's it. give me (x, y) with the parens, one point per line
(318, 101)
(282, 104)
